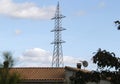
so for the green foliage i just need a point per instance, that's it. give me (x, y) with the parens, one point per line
(5, 76)
(82, 77)
(8, 59)
(104, 59)
(14, 78)
(112, 76)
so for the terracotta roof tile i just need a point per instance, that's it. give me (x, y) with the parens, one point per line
(39, 73)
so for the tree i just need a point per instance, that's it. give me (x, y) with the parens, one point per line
(105, 59)
(5, 76)
(81, 77)
(118, 23)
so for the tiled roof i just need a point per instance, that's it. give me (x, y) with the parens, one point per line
(39, 73)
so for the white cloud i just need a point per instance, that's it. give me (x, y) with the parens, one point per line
(25, 10)
(69, 60)
(37, 57)
(18, 32)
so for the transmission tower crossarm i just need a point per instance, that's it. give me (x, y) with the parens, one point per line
(57, 59)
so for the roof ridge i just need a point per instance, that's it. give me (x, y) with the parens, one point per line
(76, 69)
(37, 68)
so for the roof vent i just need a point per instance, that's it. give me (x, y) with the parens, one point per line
(79, 65)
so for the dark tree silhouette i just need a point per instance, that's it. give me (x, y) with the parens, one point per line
(117, 23)
(5, 76)
(106, 59)
(103, 59)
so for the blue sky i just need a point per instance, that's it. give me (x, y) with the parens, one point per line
(25, 27)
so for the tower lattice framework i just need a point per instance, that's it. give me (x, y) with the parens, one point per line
(57, 59)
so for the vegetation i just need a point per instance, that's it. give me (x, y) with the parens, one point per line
(82, 77)
(105, 59)
(105, 62)
(5, 76)
(118, 23)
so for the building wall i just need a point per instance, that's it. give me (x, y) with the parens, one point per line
(68, 74)
(66, 82)
(40, 82)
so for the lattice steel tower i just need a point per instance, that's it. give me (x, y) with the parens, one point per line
(57, 59)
